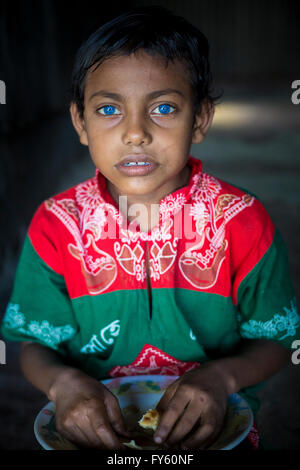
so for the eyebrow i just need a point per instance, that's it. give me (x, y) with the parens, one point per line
(152, 95)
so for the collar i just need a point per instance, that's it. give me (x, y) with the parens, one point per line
(171, 203)
(186, 191)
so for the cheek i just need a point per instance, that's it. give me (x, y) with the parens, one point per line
(100, 148)
(100, 126)
(107, 123)
(101, 135)
(177, 138)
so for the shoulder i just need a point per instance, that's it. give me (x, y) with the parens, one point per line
(56, 222)
(247, 224)
(238, 206)
(79, 193)
(68, 202)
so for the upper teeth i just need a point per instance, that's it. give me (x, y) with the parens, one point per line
(136, 163)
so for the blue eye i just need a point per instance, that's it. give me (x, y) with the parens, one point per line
(164, 109)
(109, 110)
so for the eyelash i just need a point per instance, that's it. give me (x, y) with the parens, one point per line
(155, 114)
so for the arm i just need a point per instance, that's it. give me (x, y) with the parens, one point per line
(87, 413)
(263, 293)
(42, 366)
(255, 361)
(194, 406)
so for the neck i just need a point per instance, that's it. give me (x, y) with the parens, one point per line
(181, 180)
(149, 217)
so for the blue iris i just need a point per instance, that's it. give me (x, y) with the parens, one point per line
(164, 108)
(108, 109)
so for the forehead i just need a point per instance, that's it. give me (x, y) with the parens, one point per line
(138, 74)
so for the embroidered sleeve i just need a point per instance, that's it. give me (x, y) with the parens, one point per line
(266, 301)
(40, 309)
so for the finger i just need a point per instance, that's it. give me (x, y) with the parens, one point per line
(214, 436)
(81, 432)
(167, 396)
(205, 433)
(115, 416)
(75, 435)
(104, 431)
(188, 422)
(93, 440)
(171, 414)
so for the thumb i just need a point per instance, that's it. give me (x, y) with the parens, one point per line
(115, 416)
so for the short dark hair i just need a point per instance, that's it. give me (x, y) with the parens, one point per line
(157, 31)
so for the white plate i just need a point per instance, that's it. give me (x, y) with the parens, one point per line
(144, 392)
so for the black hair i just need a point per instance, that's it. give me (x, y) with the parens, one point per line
(157, 31)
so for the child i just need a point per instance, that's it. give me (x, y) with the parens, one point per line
(196, 286)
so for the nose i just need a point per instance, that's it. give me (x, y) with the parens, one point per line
(136, 132)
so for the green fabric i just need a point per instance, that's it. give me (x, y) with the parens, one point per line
(266, 300)
(103, 331)
(40, 309)
(100, 332)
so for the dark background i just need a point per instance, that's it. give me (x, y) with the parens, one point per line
(254, 142)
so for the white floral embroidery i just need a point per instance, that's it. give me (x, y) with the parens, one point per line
(44, 331)
(209, 188)
(94, 221)
(271, 328)
(170, 204)
(87, 194)
(199, 212)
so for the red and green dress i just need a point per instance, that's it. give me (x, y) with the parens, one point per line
(218, 273)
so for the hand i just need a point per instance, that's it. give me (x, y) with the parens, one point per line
(87, 413)
(193, 408)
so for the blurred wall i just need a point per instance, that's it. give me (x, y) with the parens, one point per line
(250, 40)
(253, 42)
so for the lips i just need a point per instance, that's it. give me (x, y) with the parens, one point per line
(137, 165)
(137, 159)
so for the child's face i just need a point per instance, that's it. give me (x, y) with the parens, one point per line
(124, 116)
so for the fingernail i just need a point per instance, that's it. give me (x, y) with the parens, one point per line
(158, 439)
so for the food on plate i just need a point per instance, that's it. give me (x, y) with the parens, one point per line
(132, 445)
(141, 436)
(150, 420)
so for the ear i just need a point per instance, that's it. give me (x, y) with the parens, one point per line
(203, 121)
(78, 123)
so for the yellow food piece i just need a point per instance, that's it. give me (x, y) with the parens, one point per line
(150, 420)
